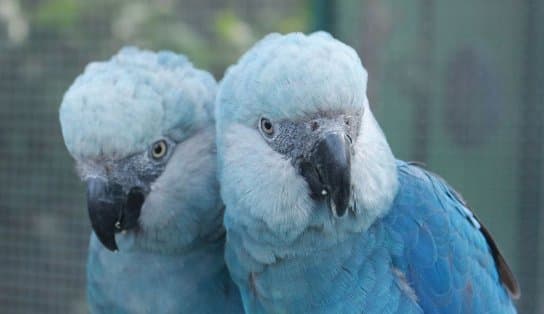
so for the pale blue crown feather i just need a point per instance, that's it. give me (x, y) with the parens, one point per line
(118, 107)
(329, 75)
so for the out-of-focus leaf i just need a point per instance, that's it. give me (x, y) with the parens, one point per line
(232, 29)
(295, 23)
(57, 13)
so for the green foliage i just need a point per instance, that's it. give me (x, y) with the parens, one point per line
(57, 14)
(212, 35)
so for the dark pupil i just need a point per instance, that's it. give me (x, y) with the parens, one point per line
(158, 149)
(267, 125)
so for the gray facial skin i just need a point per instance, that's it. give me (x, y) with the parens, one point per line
(320, 148)
(116, 189)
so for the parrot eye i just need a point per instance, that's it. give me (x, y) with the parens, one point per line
(158, 150)
(267, 127)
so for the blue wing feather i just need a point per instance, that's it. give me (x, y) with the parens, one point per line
(447, 258)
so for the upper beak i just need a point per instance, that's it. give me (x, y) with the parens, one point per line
(111, 209)
(328, 171)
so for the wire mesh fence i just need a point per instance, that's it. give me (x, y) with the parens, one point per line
(451, 83)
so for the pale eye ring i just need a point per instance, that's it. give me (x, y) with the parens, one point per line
(159, 149)
(266, 126)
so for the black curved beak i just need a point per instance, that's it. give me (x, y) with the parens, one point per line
(112, 210)
(328, 171)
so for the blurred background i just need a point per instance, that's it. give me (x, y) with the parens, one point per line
(455, 84)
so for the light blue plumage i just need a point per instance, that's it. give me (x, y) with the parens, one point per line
(320, 217)
(140, 127)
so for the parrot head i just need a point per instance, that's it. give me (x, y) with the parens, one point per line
(298, 144)
(131, 124)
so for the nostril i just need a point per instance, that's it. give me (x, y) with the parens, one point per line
(314, 125)
(349, 139)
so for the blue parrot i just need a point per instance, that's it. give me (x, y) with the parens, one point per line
(140, 128)
(320, 216)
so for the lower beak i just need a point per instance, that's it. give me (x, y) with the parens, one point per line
(111, 210)
(328, 171)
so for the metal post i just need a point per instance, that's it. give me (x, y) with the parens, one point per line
(324, 17)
